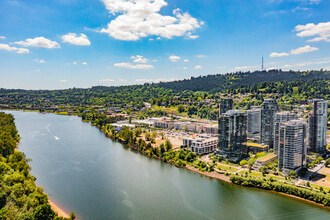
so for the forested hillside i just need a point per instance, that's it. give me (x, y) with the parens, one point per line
(20, 198)
(220, 82)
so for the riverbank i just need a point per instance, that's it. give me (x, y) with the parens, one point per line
(60, 212)
(225, 178)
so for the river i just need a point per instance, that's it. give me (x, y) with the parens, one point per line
(85, 172)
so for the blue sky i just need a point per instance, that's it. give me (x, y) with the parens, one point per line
(82, 43)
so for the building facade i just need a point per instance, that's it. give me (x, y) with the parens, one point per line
(253, 122)
(292, 138)
(201, 144)
(281, 117)
(317, 126)
(226, 105)
(232, 133)
(268, 110)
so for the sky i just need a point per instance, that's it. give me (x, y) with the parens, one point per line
(58, 44)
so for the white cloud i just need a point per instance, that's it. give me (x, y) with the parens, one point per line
(22, 50)
(186, 60)
(302, 64)
(74, 62)
(84, 63)
(245, 67)
(37, 70)
(39, 42)
(222, 67)
(190, 36)
(274, 54)
(10, 48)
(63, 80)
(185, 68)
(73, 38)
(198, 67)
(201, 56)
(123, 80)
(174, 58)
(2, 37)
(131, 66)
(141, 18)
(139, 59)
(156, 80)
(40, 60)
(106, 80)
(320, 30)
(305, 49)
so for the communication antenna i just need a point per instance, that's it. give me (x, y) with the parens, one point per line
(262, 63)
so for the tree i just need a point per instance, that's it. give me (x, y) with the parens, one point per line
(263, 170)
(72, 216)
(327, 162)
(293, 174)
(138, 131)
(243, 163)
(44, 212)
(162, 148)
(168, 145)
(250, 165)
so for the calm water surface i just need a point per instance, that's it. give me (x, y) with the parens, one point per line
(87, 173)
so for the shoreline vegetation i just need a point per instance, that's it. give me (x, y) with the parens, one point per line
(60, 211)
(184, 159)
(20, 197)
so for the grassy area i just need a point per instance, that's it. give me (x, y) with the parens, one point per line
(257, 174)
(227, 168)
(318, 187)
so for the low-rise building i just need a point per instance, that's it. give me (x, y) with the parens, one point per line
(263, 160)
(201, 144)
(256, 148)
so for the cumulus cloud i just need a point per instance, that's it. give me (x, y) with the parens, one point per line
(156, 80)
(39, 42)
(174, 58)
(136, 59)
(123, 80)
(141, 18)
(185, 68)
(63, 80)
(131, 66)
(74, 62)
(2, 37)
(10, 48)
(84, 63)
(139, 59)
(274, 54)
(198, 67)
(245, 67)
(186, 60)
(40, 60)
(305, 49)
(201, 56)
(73, 38)
(321, 31)
(106, 80)
(191, 36)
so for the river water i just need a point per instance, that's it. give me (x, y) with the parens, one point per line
(85, 172)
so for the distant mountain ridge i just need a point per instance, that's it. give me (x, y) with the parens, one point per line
(221, 82)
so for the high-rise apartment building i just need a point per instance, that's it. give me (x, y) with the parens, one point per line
(281, 117)
(317, 126)
(268, 110)
(226, 105)
(253, 122)
(292, 139)
(232, 133)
